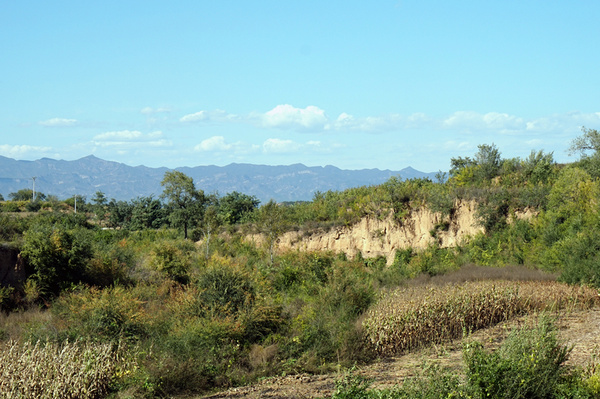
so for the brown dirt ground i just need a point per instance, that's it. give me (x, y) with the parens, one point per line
(579, 329)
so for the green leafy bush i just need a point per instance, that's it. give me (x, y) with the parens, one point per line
(529, 365)
(57, 256)
(173, 258)
(109, 314)
(225, 290)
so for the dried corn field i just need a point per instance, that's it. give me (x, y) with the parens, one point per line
(48, 370)
(410, 318)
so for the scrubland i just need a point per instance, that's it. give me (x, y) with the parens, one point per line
(127, 306)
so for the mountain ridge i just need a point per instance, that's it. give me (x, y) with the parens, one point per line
(85, 176)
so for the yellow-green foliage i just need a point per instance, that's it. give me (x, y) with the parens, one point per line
(413, 317)
(111, 313)
(67, 371)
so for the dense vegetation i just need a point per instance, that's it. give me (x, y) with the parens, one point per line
(185, 303)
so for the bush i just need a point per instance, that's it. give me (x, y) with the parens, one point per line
(57, 256)
(13, 206)
(173, 258)
(11, 227)
(110, 314)
(224, 290)
(33, 206)
(529, 365)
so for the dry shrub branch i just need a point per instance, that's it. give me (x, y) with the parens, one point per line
(49, 370)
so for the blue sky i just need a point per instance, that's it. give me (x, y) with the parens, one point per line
(354, 84)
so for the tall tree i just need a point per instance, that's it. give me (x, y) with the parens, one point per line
(183, 200)
(588, 141)
(489, 161)
(26, 194)
(234, 207)
(100, 203)
(588, 147)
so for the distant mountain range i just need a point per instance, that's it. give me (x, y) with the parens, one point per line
(88, 175)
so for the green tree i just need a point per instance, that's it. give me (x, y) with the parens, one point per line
(588, 141)
(185, 202)
(25, 194)
(457, 165)
(147, 213)
(119, 213)
(99, 198)
(100, 203)
(574, 194)
(235, 207)
(538, 167)
(489, 160)
(587, 146)
(58, 256)
(483, 167)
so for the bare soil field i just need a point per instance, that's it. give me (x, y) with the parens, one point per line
(578, 329)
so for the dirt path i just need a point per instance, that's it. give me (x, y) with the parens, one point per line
(579, 329)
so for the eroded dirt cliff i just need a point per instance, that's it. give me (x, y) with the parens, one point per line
(374, 236)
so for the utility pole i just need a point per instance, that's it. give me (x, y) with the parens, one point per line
(75, 204)
(33, 196)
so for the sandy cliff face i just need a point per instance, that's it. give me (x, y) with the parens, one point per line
(374, 237)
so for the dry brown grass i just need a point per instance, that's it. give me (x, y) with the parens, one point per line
(48, 370)
(16, 324)
(409, 318)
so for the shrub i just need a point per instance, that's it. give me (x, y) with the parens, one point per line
(224, 290)
(529, 365)
(13, 206)
(33, 206)
(11, 227)
(108, 314)
(57, 255)
(173, 258)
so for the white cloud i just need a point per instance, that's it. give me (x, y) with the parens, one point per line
(13, 151)
(196, 117)
(215, 143)
(58, 122)
(571, 122)
(286, 116)
(314, 119)
(473, 121)
(217, 115)
(122, 134)
(344, 120)
(384, 123)
(130, 139)
(280, 146)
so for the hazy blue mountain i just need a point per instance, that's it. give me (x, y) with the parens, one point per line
(88, 175)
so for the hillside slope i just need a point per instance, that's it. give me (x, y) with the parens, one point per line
(374, 237)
